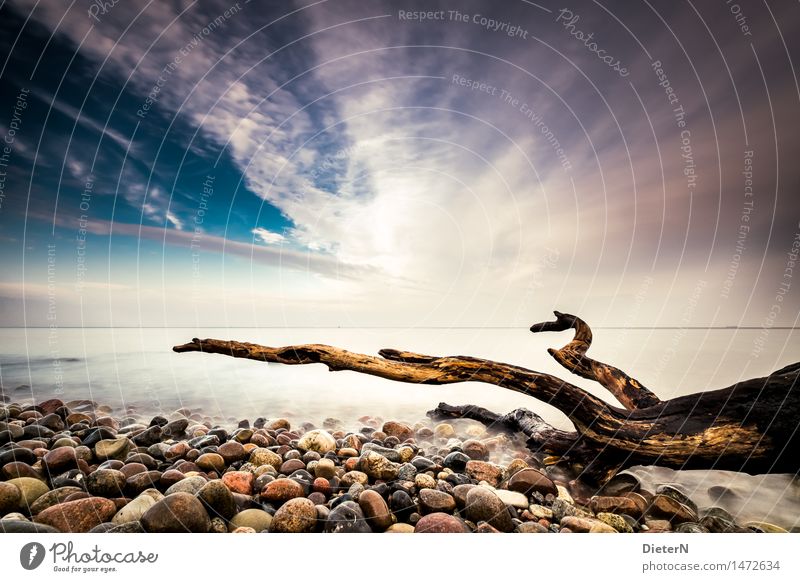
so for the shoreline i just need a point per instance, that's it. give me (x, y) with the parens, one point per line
(78, 467)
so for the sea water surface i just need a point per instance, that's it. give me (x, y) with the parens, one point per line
(134, 370)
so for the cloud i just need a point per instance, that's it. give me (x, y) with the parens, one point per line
(268, 237)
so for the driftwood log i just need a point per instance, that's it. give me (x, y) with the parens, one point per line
(751, 426)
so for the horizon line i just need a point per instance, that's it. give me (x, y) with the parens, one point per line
(638, 327)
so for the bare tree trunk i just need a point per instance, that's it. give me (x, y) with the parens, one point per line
(750, 426)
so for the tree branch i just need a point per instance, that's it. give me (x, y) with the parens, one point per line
(629, 391)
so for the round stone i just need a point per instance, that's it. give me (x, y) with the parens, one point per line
(258, 519)
(239, 481)
(295, 516)
(106, 483)
(78, 516)
(281, 490)
(318, 440)
(178, 512)
(30, 490)
(512, 498)
(115, 448)
(456, 461)
(528, 481)
(475, 450)
(440, 523)
(134, 510)
(60, 459)
(397, 429)
(10, 497)
(483, 471)
(435, 501)
(232, 452)
(262, 456)
(211, 462)
(483, 505)
(375, 510)
(347, 517)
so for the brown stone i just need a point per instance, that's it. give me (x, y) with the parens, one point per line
(179, 512)
(78, 516)
(232, 452)
(585, 525)
(529, 480)
(60, 459)
(440, 523)
(475, 450)
(239, 481)
(292, 465)
(297, 515)
(398, 430)
(663, 507)
(375, 510)
(211, 462)
(615, 505)
(483, 471)
(435, 501)
(281, 490)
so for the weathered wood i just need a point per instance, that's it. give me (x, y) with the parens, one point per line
(750, 426)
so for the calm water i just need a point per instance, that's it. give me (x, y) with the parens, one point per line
(135, 370)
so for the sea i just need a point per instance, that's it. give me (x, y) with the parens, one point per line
(134, 371)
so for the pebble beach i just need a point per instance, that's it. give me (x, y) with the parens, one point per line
(79, 466)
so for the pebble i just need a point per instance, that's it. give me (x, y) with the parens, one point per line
(319, 441)
(433, 501)
(217, 499)
(115, 448)
(10, 497)
(530, 480)
(347, 517)
(106, 483)
(295, 516)
(456, 461)
(178, 512)
(444, 431)
(482, 504)
(483, 471)
(191, 485)
(134, 510)
(78, 516)
(377, 466)
(375, 509)
(532, 527)
(666, 507)
(282, 490)
(615, 521)
(239, 481)
(29, 489)
(257, 519)
(440, 523)
(616, 505)
(399, 430)
(262, 456)
(211, 462)
(424, 481)
(475, 450)
(513, 498)
(586, 525)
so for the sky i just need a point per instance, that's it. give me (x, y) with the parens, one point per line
(350, 163)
